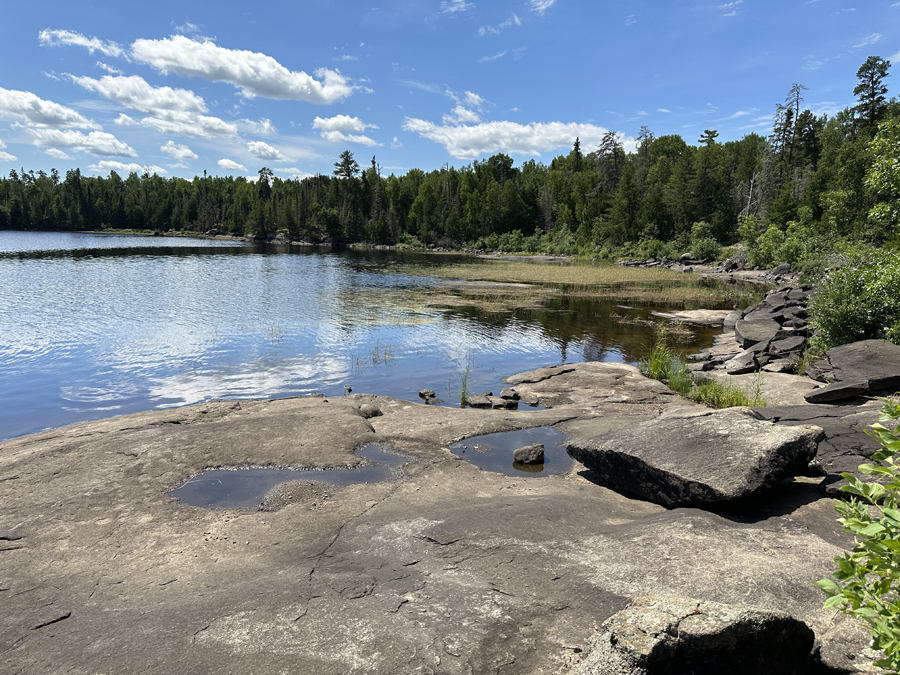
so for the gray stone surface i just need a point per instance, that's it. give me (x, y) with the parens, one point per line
(857, 368)
(749, 332)
(671, 635)
(699, 458)
(530, 454)
(444, 569)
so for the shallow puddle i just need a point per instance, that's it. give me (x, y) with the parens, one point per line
(247, 488)
(494, 452)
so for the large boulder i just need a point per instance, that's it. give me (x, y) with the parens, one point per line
(673, 635)
(857, 368)
(699, 457)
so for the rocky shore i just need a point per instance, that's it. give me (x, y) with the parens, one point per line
(445, 568)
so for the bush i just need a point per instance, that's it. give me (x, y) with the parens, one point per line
(858, 301)
(867, 581)
(705, 249)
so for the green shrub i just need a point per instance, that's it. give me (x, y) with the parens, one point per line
(867, 581)
(705, 249)
(858, 301)
(654, 248)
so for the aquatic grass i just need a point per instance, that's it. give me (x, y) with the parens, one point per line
(718, 394)
(636, 284)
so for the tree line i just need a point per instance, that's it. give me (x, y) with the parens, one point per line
(810, 182)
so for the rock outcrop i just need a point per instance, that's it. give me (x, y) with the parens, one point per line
(672, 635)
(858, 368)
(699, 458)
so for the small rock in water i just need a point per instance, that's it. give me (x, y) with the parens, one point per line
(509, 393)
(530, 454)
(426, 393)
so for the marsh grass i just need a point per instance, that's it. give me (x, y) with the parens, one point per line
(615, 282)
(381, 354)
(668, 367)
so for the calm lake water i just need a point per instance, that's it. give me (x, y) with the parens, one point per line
(101, 325)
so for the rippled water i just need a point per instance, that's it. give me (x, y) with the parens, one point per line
(99, 325)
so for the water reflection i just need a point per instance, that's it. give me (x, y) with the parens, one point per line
(91, 326)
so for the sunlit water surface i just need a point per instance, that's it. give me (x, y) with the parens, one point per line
(101, 325)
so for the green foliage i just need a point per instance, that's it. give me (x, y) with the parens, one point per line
(705, 249)
(717, 394)
(866, 583)
(858, 301)
(883, 177)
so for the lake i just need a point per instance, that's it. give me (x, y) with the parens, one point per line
(100, 325)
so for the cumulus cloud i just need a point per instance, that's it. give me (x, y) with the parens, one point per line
(57, 154)
(58, 38)
(460, 114)
(125, 121)
(112, 70)
(134, 92)
(264, 151)
(106, 165)
(255, 74)
(5, 156)
(35, 111)
(334, 129)
(541, 6)
(177, 151)
(468, 142)
(95, 143)
(263, 127)
(186, 124)
(231, 165)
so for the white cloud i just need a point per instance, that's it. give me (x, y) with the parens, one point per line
(106, 165)
(468, 142)
(56, 38)
(186, 124)
(496, 30)
(295, 173)
(125, 121)
(264, 151)
(341, 123)
(40, 113)
(663, 110)
(6, 157)
(96, 142)
(134, 92)
(253, 73)
(333, 130)
(188, 28)
(57, 154)
(231, 165)
(731, 7)
(177, 151)
(460, 114)
(630, 20)
(493, 57)
(263, 127)
(341, 137)
(541, 6)
(396, 144)
(454, 6)
(868, 40)
(112, 70)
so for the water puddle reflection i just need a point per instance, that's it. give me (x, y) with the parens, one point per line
(247, 488)
(494, 452)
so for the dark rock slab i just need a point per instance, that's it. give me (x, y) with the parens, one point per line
(858, 368)
(838, 391)
(674, 635)
(699, 458)
(745, 362)
(750, 332)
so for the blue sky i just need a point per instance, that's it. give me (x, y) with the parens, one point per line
(227, 87)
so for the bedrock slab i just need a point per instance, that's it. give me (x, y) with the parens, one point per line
(444, 569)
(699, 458)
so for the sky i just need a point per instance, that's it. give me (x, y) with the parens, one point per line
(179, 88)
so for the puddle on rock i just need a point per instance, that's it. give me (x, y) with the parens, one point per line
(494, 452)
(247, 488)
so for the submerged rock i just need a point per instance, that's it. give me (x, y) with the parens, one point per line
(699, 458)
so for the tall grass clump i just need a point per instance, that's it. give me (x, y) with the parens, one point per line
(667, 366)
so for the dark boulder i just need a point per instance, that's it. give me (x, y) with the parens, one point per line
(530, 454)
(858, 368)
